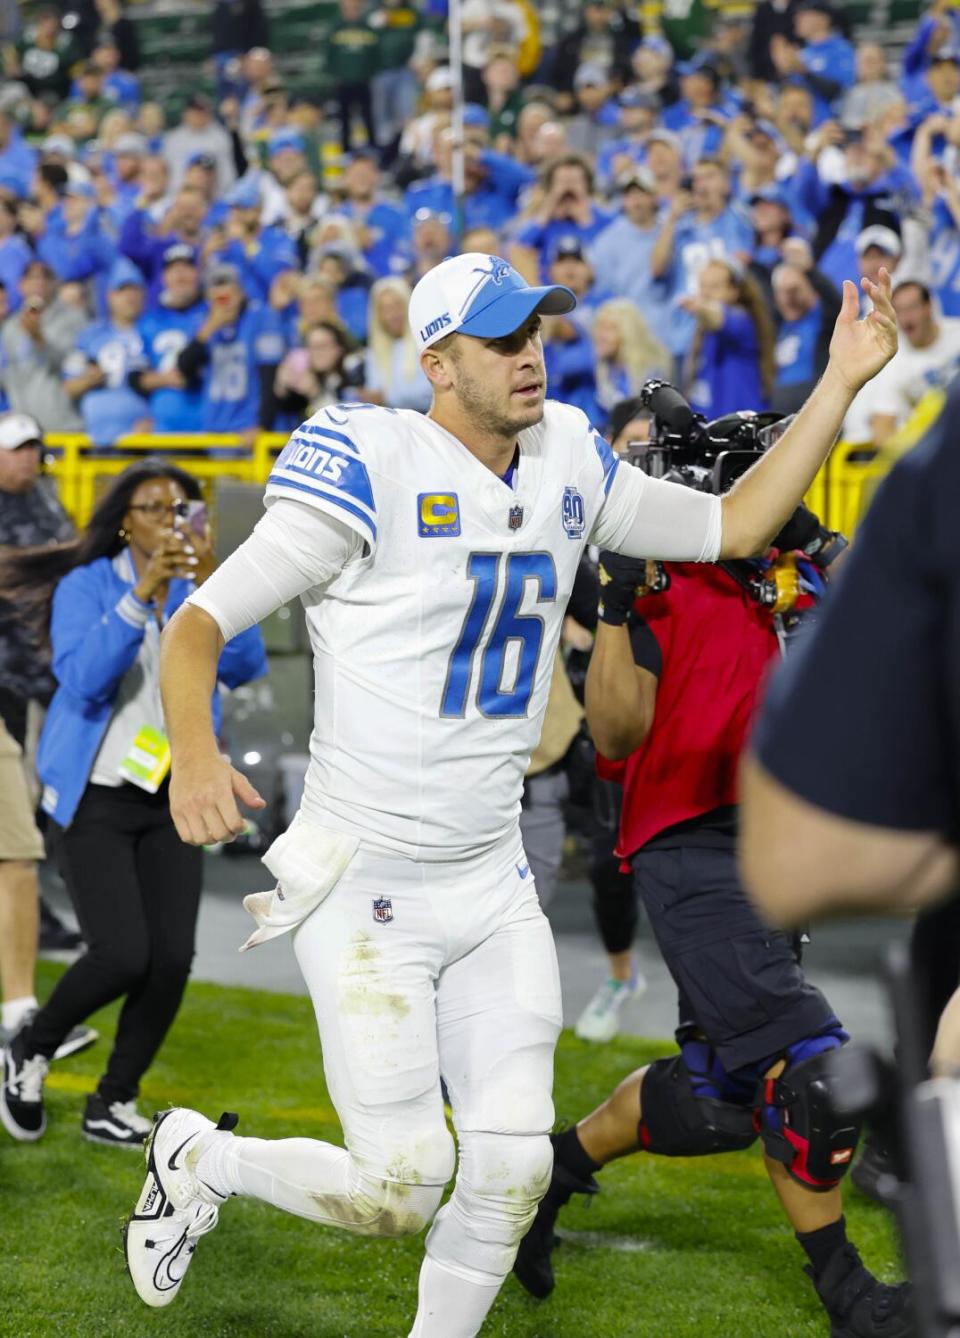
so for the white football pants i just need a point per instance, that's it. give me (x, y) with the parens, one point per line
(457, 977)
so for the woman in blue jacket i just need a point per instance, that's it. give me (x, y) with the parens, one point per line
(103, 763)
(731, 364)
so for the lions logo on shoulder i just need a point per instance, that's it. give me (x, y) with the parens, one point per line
(571, 511)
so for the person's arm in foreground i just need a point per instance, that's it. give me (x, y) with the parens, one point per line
(801, 862)
(847, 794)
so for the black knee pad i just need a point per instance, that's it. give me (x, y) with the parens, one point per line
(796, 1119)
(675, 1123)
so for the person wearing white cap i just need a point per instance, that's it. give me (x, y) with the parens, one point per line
(435, 555)
(30, 517)
(416, 142)
(878, 246)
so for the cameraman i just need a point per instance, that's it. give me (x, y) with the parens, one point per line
(680, 654)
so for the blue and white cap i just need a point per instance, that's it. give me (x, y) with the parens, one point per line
(480, 295)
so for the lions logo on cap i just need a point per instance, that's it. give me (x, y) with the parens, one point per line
(498, 271)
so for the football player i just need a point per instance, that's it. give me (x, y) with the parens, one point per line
(434, 556)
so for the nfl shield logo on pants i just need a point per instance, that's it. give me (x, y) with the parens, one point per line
(383, 910)
(515, 518)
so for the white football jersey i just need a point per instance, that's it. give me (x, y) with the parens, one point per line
(434, 650)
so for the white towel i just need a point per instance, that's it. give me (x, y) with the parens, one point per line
(307, 863)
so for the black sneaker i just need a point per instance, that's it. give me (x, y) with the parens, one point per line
(21, 1096)
(77, 1038)
(118, 1124)
(532, 1265)
(858, 1304)
(874, 1172)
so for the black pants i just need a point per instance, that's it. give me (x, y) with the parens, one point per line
(350, 96)
(614, 899)
(135, 888)
(739, 981)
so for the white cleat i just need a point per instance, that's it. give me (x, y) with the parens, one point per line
(175, 1208)
(600, 1020)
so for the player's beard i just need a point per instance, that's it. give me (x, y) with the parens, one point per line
(484, 405)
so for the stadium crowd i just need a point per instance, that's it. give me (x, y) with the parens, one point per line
(210, 264)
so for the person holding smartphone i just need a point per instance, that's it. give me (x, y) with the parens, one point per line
(103, 760)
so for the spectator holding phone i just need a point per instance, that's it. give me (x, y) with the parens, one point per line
(567, 208)
(103, 762)
(34, 344)
(327, 370)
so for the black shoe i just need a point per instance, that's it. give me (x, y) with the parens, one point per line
(858, 1304)
(118, 1124)
(21, 1096)
(77, 1038)
(532, 1265)
(874, 1173)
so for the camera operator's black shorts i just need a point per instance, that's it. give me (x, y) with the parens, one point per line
(739, 980)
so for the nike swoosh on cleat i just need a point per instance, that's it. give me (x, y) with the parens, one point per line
(172, 1164)
(163, 1278)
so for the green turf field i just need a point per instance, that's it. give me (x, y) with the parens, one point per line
(669, 1249)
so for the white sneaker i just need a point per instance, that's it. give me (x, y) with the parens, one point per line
(600, 1020)
(175, 1207)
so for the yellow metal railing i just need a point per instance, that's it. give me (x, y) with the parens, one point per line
(82, 471)
(840, 493)
(844, 488)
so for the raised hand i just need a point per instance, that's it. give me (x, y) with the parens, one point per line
(861, 347)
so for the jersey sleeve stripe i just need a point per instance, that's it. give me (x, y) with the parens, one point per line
(611, 475)
(312, 430)
(323, 486)
(367, 526)
(608, 461)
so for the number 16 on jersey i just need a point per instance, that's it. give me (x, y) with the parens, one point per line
(510, 625)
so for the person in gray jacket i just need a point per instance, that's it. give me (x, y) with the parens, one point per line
(33, 345)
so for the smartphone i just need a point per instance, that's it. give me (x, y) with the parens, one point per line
(297, 362)
(196, 518)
